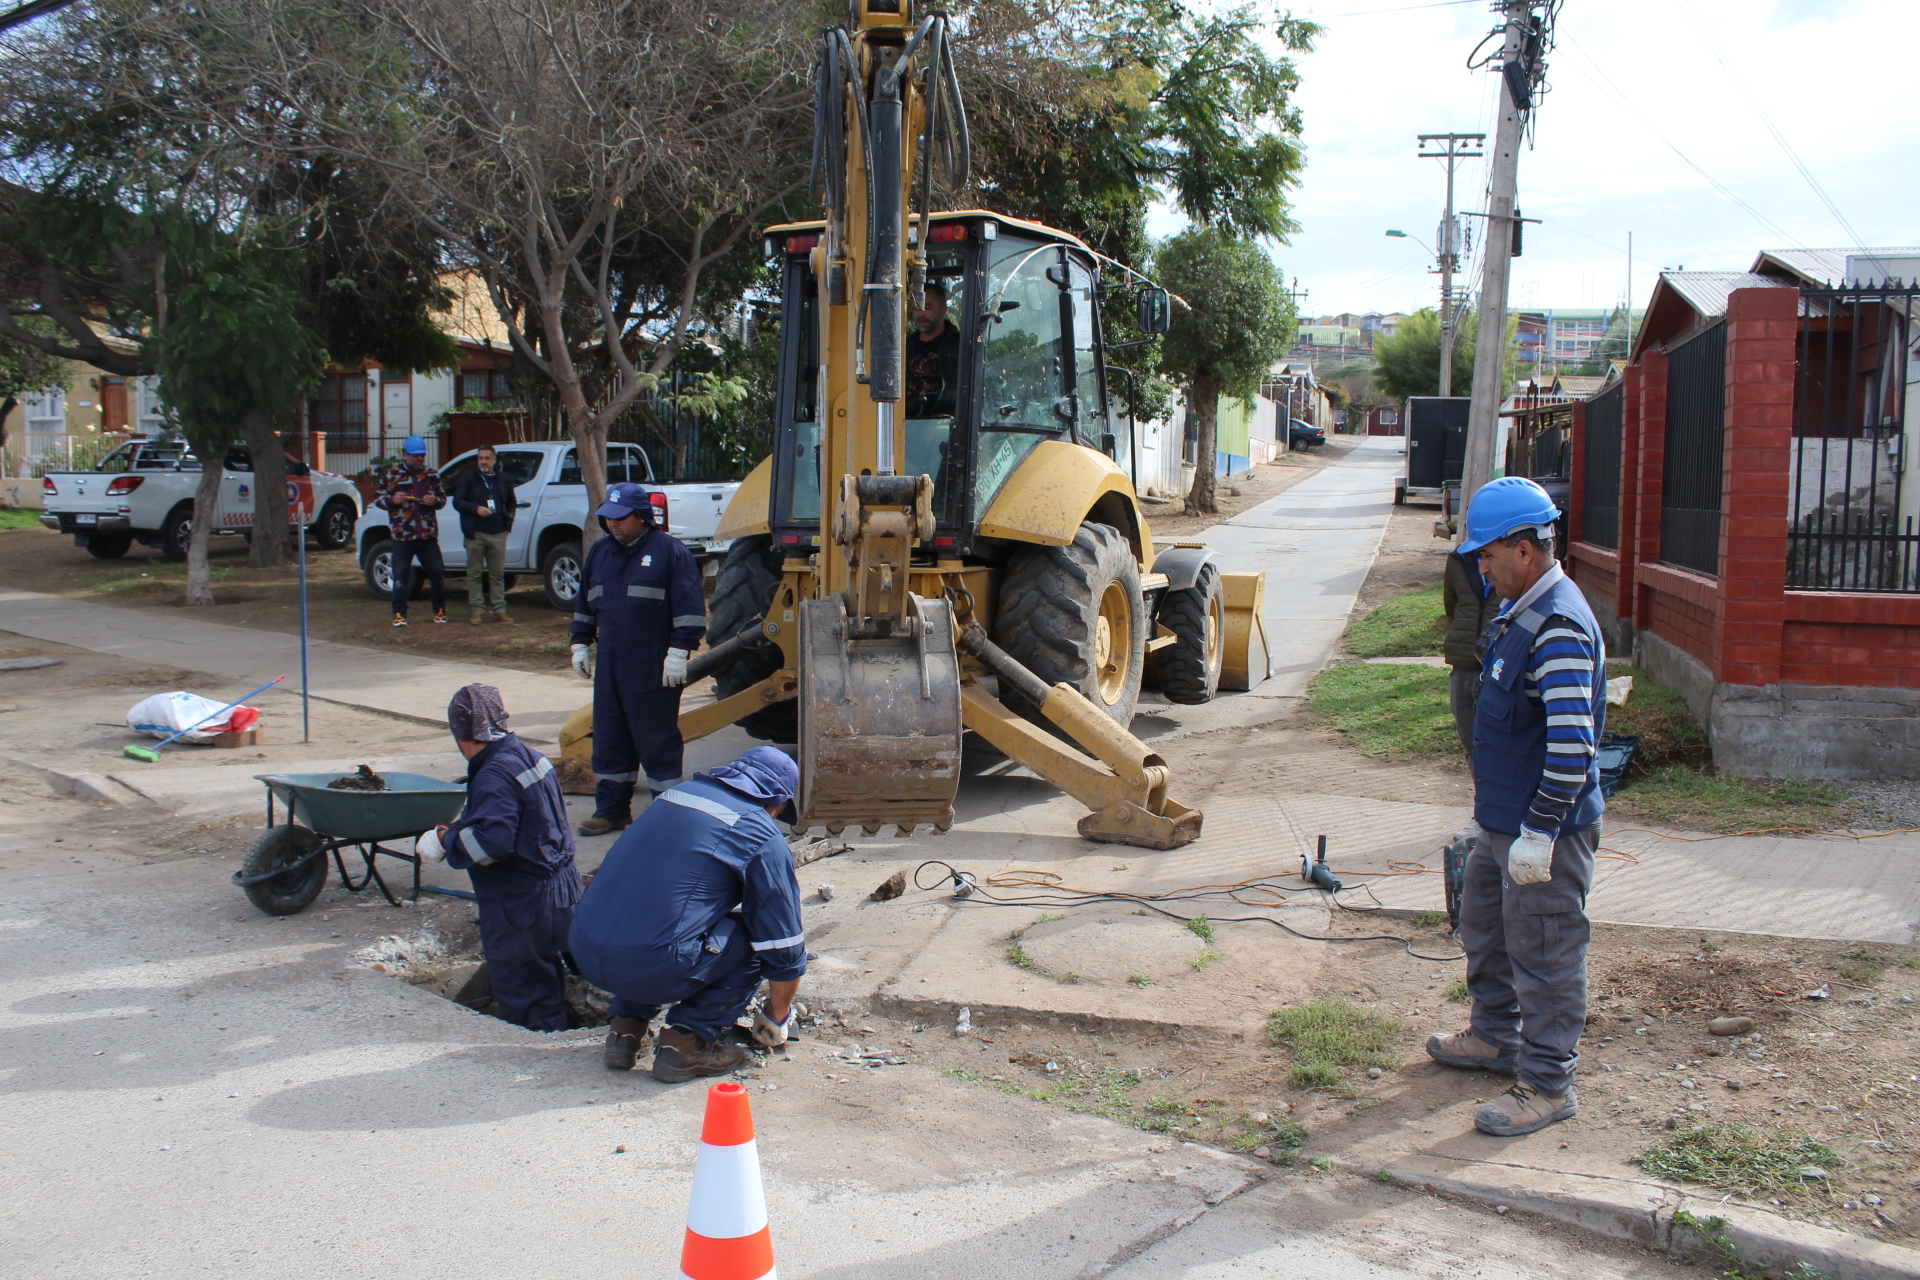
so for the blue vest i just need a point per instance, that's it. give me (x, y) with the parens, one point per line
(1510, 729)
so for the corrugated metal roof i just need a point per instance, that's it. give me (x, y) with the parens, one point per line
(1824, 266)
(1706, 291)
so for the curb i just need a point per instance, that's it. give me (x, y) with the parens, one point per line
(86, 786)
(1642, 1213)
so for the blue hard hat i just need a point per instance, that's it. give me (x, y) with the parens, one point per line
(1503, 506)
(766, 774)
(414, 444)
(624, 500)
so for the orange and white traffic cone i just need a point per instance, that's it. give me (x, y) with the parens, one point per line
(727, 1233)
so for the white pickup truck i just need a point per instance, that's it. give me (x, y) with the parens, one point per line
(552, 501)
(143, 492)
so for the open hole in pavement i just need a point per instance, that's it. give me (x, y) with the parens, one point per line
(446, 960)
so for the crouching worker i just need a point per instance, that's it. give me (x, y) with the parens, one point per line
(513, 842)
(694, 906)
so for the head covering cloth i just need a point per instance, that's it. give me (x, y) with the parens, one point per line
(476, 714)
(766, 774)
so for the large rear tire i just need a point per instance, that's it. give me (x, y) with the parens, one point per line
(1074, 615)
(748, 578)
(293, 891)
(109, 546)
(1189, 668)
(176, 532)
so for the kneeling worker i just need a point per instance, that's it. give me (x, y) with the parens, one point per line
(1540, 709)
(512, 840)
(693, 907)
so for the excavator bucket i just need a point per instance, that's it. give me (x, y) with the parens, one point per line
(1246, 661)
(879, 719)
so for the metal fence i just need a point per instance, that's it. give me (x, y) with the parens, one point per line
(1852, 518)
(1695, 452)
(1600, 497)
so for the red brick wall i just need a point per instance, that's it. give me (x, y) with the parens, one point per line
(1762, 325)
(1852, 638)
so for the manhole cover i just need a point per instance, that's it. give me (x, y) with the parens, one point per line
(28, 664)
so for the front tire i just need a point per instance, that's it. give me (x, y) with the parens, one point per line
(334, 529)
(560, 574)
(109, 546)
(1189, 668)
(293, 892)
(1074, 615)
(177, 532)
(742, 592)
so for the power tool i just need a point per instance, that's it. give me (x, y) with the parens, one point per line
(1453, 862)
(1317, 872)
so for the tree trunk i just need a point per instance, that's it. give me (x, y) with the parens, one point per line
(7, 407)
(1203, 402)
(206, 504)
(270, 524)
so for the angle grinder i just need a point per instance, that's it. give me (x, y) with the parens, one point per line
(1316, 872)
(1453, 863)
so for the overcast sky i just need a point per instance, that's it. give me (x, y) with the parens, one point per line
(1834, 76)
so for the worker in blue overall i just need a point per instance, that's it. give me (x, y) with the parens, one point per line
(1538, 715)
(693, 908)
(641, 596)
(512, 841)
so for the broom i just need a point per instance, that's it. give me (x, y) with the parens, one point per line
(152, 754)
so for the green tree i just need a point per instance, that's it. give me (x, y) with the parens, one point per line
(1407, 362)
(26, 371)
(1238, 320)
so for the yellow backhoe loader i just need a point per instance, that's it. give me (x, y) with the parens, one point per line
(946, 535)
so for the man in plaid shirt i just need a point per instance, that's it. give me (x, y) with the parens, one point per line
(411, 493)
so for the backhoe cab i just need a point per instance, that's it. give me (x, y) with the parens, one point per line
(946, 535)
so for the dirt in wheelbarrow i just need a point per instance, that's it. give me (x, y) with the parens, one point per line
(362, 779)
(446, 960)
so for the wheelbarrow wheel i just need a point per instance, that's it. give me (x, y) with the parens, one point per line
(293, 892)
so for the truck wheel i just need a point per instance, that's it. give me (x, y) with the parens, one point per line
(176, 532)
(560, 574)
(1074, 614)
(1189, 668)
(293, 892)
(334, 529)
(748, 578)
(109, 546)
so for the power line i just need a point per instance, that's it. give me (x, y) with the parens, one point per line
(29, 11)
(1606, 84)
(1773, 128)
(1405, 8)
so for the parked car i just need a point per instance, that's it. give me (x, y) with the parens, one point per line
(143, 492)
(552, 511)
(1304, 435)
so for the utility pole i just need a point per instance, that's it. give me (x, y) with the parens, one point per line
(1522, 52)
(1452, 148)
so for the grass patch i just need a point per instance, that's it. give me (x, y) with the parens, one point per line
(173, 578)
(1458, 991)
(1409, 626)
(1330, 1034)
(1017, 954)
(1205, 958)
(1139, 979)
(19, 518)
(1428, 919)
(1737, 1158)
(1862, 967)
(1201, 928)
(1686, 797)
(1390, 712)
(1658, 714)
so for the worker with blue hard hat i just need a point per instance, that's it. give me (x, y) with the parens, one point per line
(642, 600)
(691, 910)
(411, 493)
(1538, 715)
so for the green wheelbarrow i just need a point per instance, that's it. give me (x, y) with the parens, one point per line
(287, 867)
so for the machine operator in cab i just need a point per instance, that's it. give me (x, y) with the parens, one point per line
(641, 599)
(933, 358)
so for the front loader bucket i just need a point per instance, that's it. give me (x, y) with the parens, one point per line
(1246, 662)
(879, 720)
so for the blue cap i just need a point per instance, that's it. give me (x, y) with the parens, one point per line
(624, 500)
(414, 444)
(1506, 506)
(766, 774)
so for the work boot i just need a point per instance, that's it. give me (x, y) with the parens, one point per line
(501, 616)
(621, 1053)
(682, 1055)
(1521, 1109)
(598, 826)
(1465, 1049)
(474, 620)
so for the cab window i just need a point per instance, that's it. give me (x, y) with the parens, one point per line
(1028, 363)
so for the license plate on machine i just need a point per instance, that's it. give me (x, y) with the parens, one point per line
(86, 519)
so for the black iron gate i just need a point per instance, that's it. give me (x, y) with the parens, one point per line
(1695, 452)
(1600, 497)
(1848, 509)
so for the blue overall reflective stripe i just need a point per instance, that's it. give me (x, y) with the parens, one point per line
(1510, 729)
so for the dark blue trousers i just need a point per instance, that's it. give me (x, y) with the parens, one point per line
(523, 933)
(636, 732)
(705, 1001)
(427, 552)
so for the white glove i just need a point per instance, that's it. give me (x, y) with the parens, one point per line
(1472, 831)
(428, 846)
(770, 1033)
(673, 673)
(1530, 860)
(580, 662)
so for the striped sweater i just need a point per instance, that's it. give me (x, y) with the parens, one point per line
(1561, 670)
